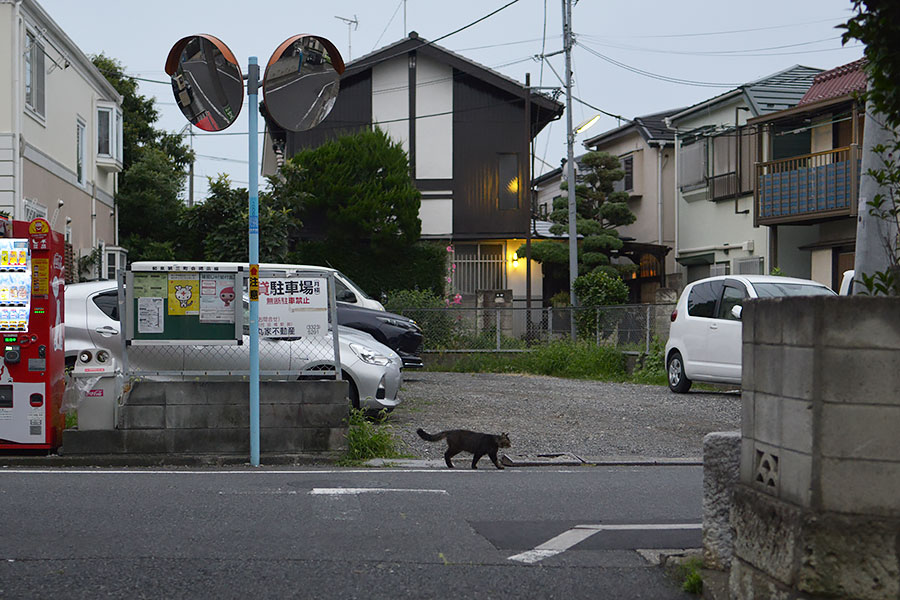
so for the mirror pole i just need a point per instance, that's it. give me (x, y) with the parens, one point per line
(252, 93)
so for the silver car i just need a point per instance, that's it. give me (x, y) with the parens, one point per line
(372, 369)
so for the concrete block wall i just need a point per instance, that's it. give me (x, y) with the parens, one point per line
(213, 417)
(819, 487)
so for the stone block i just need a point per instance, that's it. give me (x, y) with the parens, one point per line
(862, 322)
(143, 417)
(146, 441)
(748, 406)
(875, 376)
(861, 486)
(767, 419)
(849, 557)
(748, 460)
(324, 415)
(98, 441)
(748, 364)
(767, 326)
(766, 533)
(768, 363)
(721, 469)
(147, 392)
(214, 441)
(798, 322)
(337, 439)
(747, 583)
(861, 431)
(798, 369)
(795, 477)
(796, 425)
(280, 415)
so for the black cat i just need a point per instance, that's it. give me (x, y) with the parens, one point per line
(460, 440)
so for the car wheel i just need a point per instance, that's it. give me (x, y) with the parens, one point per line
(678, 381)
(353, 392)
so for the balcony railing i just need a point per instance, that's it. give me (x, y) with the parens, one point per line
(807, 187)
(726, 185)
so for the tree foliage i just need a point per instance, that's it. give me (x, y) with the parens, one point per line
(877, 25)
(599, 210)
(355, 189)
(217, 229)
(153, 169)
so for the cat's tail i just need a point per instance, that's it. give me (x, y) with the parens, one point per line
(429, 437)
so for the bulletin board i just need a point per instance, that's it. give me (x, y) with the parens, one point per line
(185, 307)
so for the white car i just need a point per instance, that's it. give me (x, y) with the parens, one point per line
(372, 369)
(705, 335)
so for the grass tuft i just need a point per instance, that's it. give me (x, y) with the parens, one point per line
(369, 438)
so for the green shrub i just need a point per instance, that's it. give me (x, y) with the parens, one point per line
(653, 365)
(368, 439)
(437, 325)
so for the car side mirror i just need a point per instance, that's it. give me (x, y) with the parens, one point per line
(346, 296)
(736, 311)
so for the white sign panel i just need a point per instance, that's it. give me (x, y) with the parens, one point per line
(217, 298)
(150, 315)
(293, 307)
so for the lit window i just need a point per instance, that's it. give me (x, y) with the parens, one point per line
(508, 177)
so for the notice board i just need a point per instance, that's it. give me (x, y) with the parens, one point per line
(196, 306)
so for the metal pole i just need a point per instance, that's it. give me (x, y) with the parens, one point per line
(570, 164)
(252, 85)
(530, 174)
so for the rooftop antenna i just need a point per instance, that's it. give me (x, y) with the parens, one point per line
(355, 24)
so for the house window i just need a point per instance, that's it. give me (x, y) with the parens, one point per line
(34, 74)
(508, 181)
(720, 268)
(109, 131)
(692, 161)
(80, 145)
(626, 184)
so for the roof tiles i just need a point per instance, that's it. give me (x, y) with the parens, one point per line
(840, 81)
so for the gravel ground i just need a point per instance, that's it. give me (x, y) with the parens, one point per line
(590, 419)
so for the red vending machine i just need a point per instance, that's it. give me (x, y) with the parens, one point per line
(32, 379)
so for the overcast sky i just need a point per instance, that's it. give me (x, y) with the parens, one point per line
(723, 42)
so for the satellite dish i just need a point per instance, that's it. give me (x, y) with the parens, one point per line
(206, 81)
(302, 81)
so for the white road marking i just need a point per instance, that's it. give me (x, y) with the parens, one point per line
(579, 533)
(141, 471)
(350, 491)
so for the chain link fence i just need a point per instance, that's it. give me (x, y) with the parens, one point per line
(280, 359)
(506, 329)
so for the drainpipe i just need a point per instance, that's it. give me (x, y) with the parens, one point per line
(659, 193)
(677, 200)
(17, 93)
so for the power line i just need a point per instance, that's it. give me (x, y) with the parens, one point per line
(657, 76)
(727, 53)
(388, 25)
(728, 32)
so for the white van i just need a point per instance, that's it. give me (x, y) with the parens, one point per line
(346, 290)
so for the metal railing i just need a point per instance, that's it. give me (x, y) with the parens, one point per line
(506, 329)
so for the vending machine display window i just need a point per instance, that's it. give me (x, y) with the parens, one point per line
(15, 285)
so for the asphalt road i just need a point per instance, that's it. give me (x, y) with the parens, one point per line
(371, 533)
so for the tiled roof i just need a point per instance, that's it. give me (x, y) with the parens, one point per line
(841, 81)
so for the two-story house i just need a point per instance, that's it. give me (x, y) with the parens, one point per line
(464, 128)
(715, 231)
(807, 176)
(60, 138)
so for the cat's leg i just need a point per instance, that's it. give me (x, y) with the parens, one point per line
(493, 456)
(448, 455)
(475, 460)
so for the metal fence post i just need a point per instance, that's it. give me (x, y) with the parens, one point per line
(647, 350)
(498, 328)
(597, 325)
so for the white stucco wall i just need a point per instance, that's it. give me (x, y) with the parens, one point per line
(434, 135)
(390, 99)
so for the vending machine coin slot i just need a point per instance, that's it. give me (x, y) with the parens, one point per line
(12, 354)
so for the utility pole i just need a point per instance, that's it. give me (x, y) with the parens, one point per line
(349, 22)
(570, 164)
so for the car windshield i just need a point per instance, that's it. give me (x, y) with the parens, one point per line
(359, 289)
(775, 290)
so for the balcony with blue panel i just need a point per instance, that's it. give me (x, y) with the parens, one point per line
(808, 188)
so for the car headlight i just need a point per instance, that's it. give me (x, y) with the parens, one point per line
(367, 355)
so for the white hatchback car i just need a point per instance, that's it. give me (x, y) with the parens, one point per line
(705, 335)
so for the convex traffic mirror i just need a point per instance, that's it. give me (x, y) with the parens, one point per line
(206, 81)
(302, 81)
